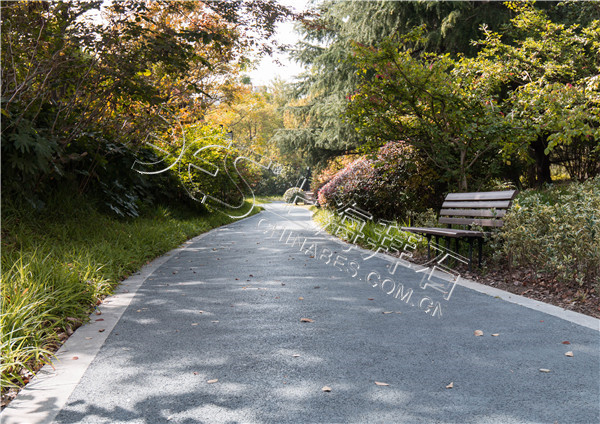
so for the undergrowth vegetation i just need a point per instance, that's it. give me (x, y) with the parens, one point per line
(371, 234)
(557, 231)
(58, 264)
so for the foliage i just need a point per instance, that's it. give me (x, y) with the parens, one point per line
(557, 231)
(292, 194)
(270, 184)
(334, 166)
(442, 110)
(58, 264)
(390, 185)
(319, 129)
(136, 72)
(548, 86)
(254, 114)
(449, 25)
(209, 168)
(507, 107)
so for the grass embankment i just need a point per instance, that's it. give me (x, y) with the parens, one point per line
(59, 263)
(371, 234)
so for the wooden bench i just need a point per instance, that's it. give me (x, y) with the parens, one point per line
(485, 209)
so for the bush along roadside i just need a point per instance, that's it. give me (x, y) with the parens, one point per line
(557, 231)
(59, 264)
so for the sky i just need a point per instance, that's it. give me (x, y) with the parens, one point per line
(267, 69)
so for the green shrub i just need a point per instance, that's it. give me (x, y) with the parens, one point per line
(557, 231)
(291, 194)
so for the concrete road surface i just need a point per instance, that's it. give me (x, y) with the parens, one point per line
(214, 333)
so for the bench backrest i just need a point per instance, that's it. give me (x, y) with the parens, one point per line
(485, 208)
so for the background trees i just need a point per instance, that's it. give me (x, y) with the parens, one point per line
(488, 92)
(73, 84)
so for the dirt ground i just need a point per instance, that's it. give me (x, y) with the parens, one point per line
(530, 283)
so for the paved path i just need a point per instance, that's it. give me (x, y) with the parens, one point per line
(228, 306)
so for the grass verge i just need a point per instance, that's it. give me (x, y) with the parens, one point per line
(373, 235)
(58, 264)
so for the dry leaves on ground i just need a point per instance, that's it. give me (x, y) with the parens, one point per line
(478, 333)
(306, 320)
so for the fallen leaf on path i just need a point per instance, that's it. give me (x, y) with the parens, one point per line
(306, 320)
(214, 321)
(194, 323)
(195, 372)
(326, 389)
(101, 330)
(98, 313)
(566, 342)
(300, 298)
(295, 355)
(569, 353)
(100, 319)
(451, 385)
(478, 333)
(495, 334)
(388, 312)
(378, 383)
(75, 358)
(88, 338)
(212, 381)
(370, 298)
(544, 370)
(316, 287)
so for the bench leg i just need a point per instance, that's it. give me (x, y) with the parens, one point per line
(428, 247)
(470, 253)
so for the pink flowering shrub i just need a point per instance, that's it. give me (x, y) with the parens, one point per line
(390, 185)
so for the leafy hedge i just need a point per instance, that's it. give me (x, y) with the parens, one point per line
(394, 183)
(557, 231)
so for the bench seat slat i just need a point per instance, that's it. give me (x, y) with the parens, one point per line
(484, 195)
(443, 232)
(473, 212)
(472, 221)
(499, 204)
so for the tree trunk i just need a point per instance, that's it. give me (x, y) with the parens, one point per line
(542, 161)
(463, 172)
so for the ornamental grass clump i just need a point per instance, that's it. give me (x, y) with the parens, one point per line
(293, 194)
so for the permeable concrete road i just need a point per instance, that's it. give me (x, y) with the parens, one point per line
(214, 333)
